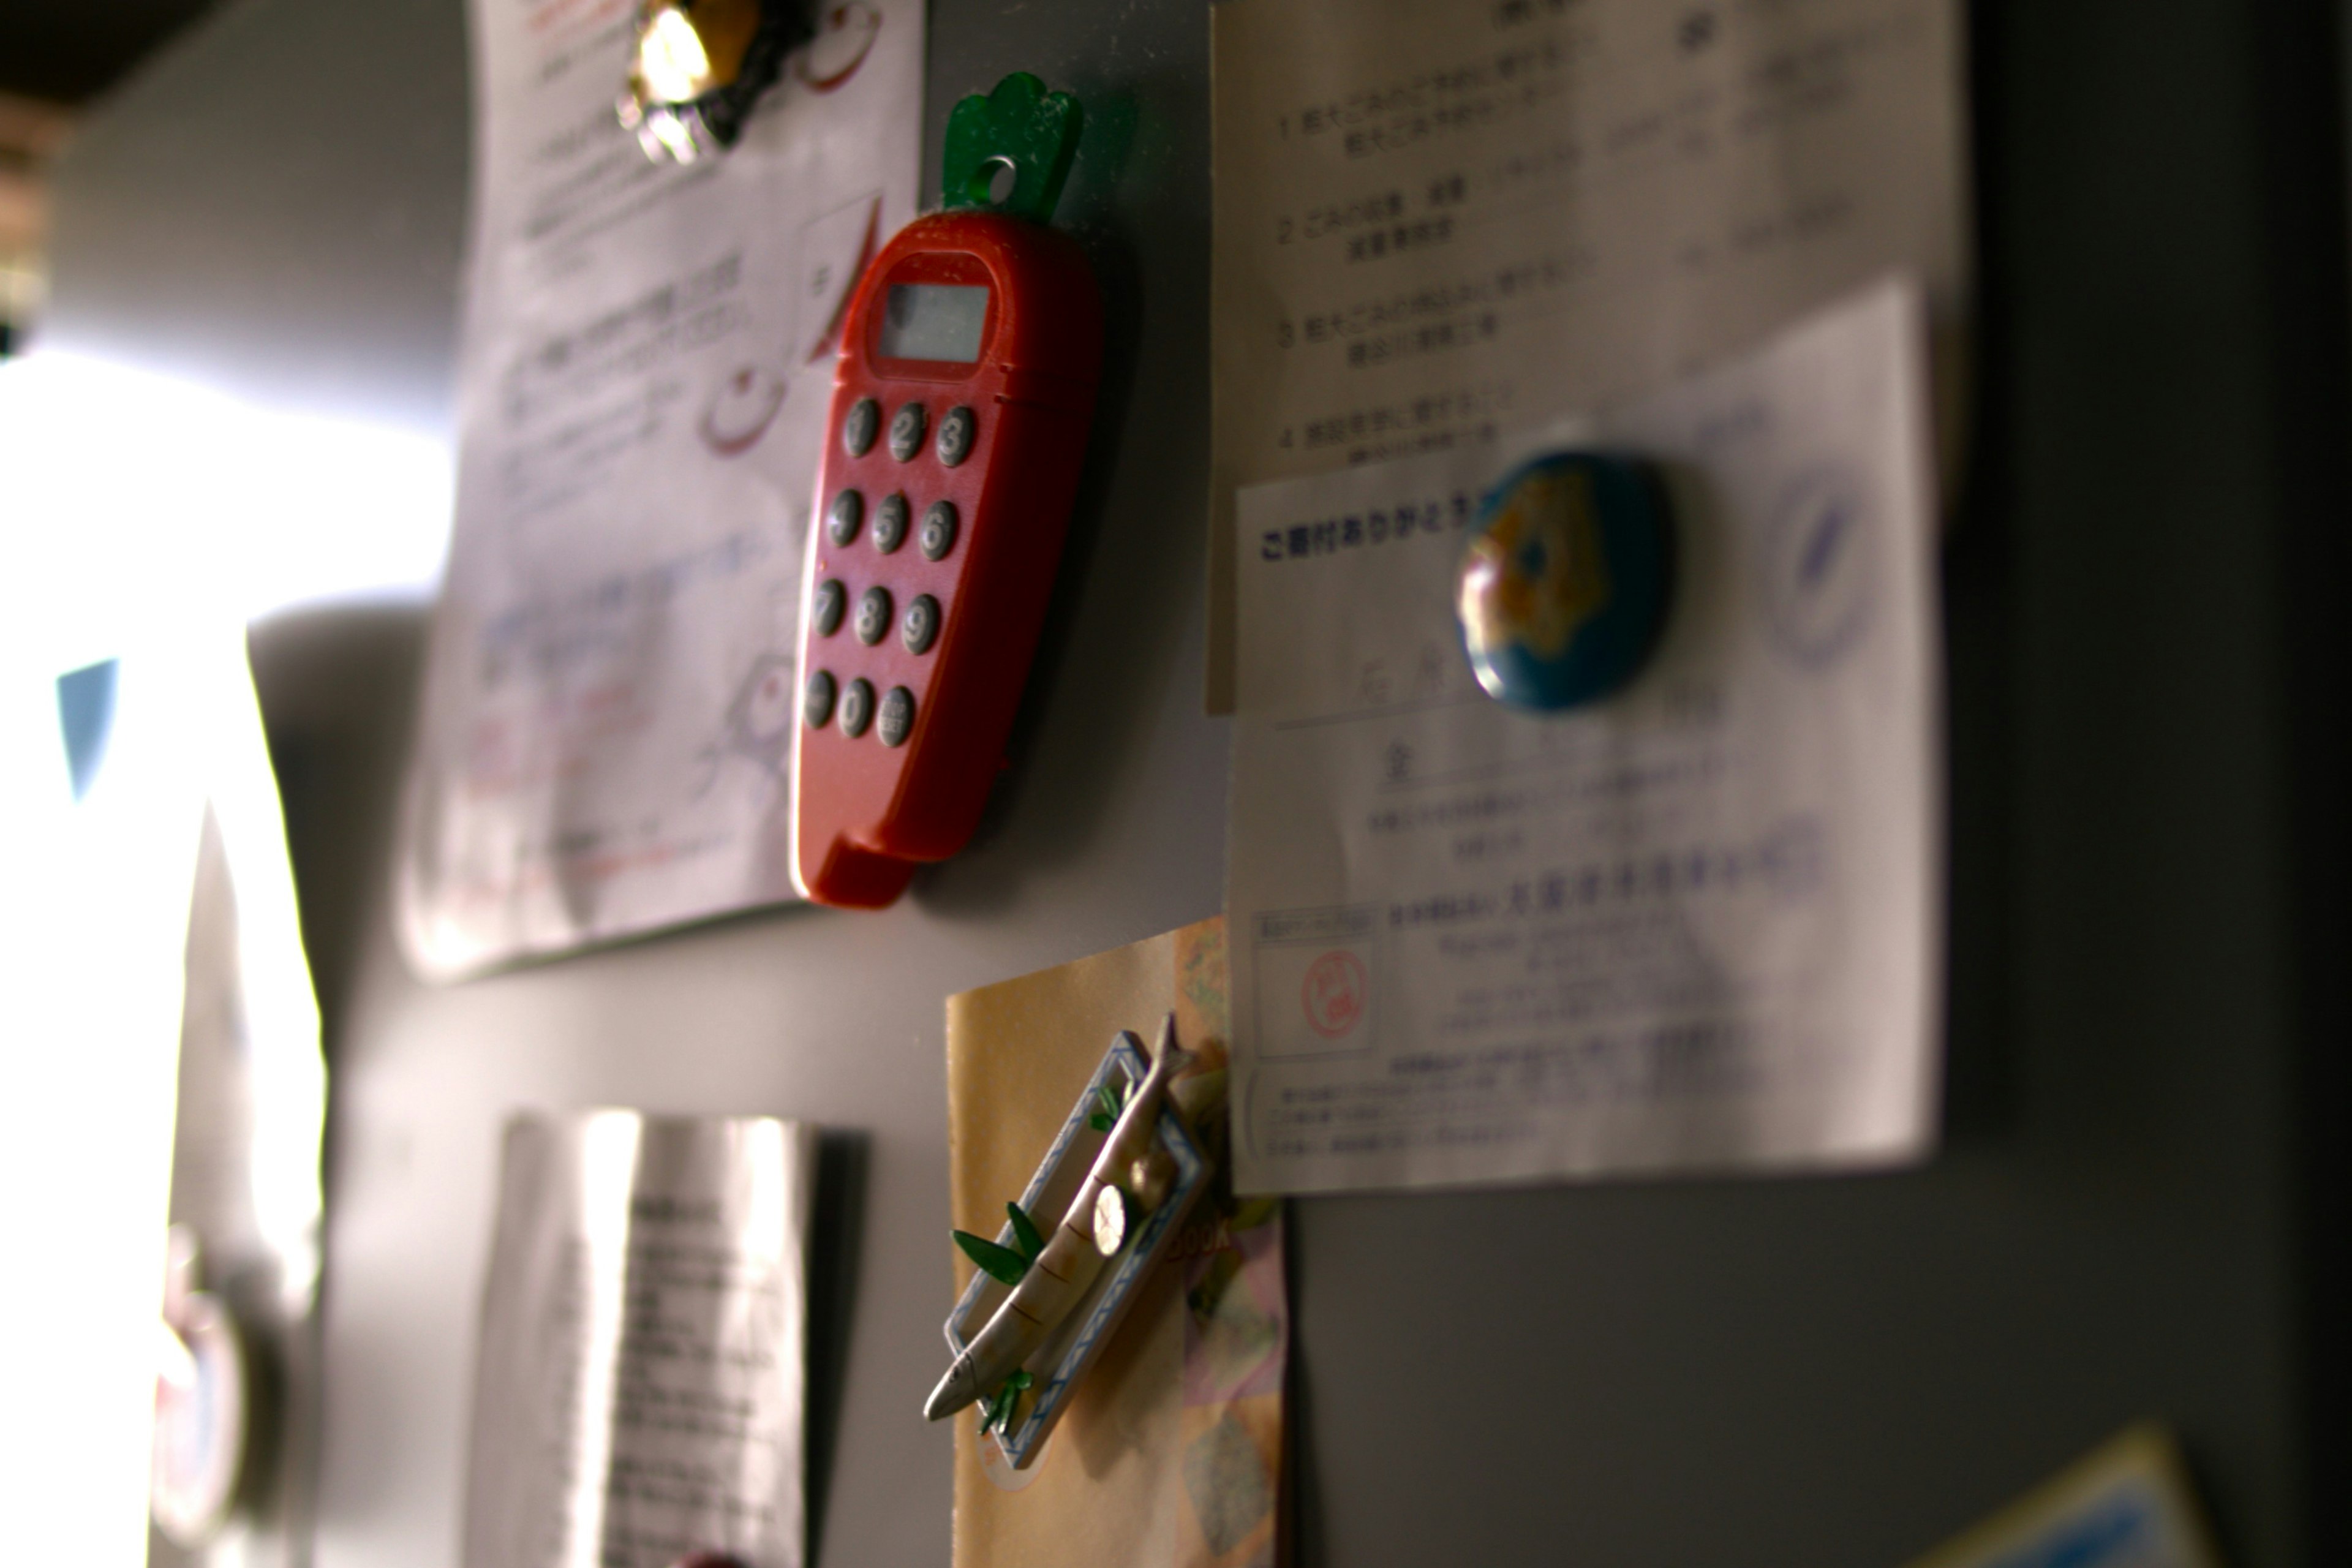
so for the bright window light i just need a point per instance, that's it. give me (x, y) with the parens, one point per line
(148, 521)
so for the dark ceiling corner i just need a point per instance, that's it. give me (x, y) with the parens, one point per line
(68, 51)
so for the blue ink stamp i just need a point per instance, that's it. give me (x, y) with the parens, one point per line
(1818, 567)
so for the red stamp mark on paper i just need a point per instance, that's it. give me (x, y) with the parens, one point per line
(1333, 993)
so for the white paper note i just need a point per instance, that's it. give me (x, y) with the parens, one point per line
(1696, 926)
(605, 736)
(639, 1392)
(1433, 215)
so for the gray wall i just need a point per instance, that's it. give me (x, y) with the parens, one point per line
(2130, 1213)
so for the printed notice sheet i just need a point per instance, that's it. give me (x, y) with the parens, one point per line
(605, 737)
(1433, 216)
(639, 1390)
(1695, 926)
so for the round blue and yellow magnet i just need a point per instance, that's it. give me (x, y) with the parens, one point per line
(1563, 589)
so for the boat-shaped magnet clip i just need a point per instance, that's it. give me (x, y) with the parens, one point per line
(1126, 1167)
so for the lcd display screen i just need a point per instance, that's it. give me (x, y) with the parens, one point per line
(934, 321)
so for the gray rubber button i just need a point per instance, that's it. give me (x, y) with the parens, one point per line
(938, 529)
(907, 431)
(918, 628)
(816, 704)
(898, 717)
(830, 602)
(857, 708)
(842, 518)
(957, 432)
(873, 616)
(889, 530)
(860, 426)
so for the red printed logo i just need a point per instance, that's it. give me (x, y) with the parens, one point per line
(1333, 993)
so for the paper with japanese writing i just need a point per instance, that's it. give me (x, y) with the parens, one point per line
(1694, 926)
(1433, 216)
(604, 742)
(640, 1384)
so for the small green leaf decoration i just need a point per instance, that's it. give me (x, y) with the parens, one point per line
(1024, 1233)
(1001, 1409)
(1111, 1102)
(1018, 127)
(996, 1262)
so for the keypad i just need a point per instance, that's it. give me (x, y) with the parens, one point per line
(907, 432)
(843, 517)
(873, 616)
(827, 605)
(938, 533)
(860, 426)
(918, 628)
(857, 708)
(872, 611)
(816, 703)
(889, 530)
(897, 719)
(957, 432)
